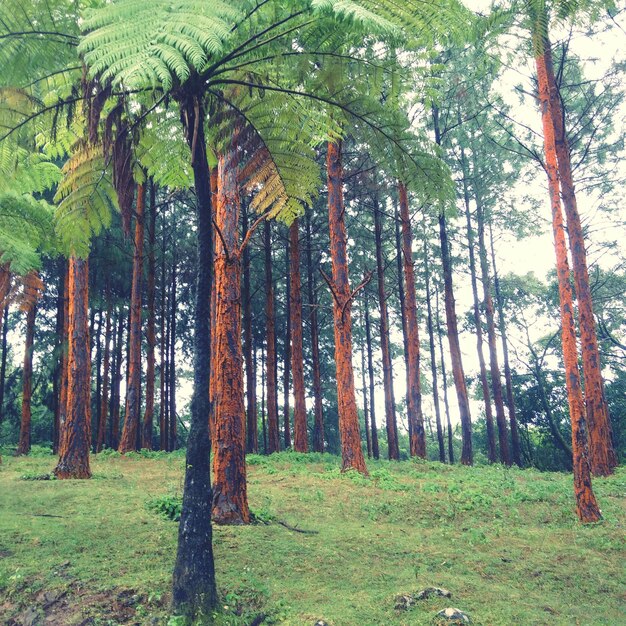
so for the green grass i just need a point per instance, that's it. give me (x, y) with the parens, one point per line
(505, 542)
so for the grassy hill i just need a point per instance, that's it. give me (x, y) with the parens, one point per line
(504, 542)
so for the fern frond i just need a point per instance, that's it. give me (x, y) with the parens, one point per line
(86, 197)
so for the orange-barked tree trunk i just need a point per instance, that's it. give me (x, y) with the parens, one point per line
(351, 451)
(128, 441)
(230, 499)
(27, 381)
(75, 436)
(300, 442)
(414, 391)
(273, 436)
(601, 452)
(148, 416)
(318, 429)
(393, 449)
(586, 505)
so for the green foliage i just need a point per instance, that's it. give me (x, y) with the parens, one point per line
(25, 230)
(169, 506)
(86, 199)
(474, 531)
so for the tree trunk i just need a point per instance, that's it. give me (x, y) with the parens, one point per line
(601, 452)
(148, 416)
(230, 500)
(370, 370)
(98, 368)
(390, 403)
(263, 421)
(515, 440)
(128, 441)
(104, 398)
(116, 382)
(27, 381)
(61, 356)
(433, 360)
(496, 380)
(194, 594)
(297, 358)
(287, 351)
(467, 457)
(351, 452)
(3, 360)
(366, 416)
(252, 435)
(163, 349)
(586, 505)
(318, 430)
(75, 429)
(172, 421)
(484, 380)
(444, 380)
(273, 439)
(64, 354)
(414, 390)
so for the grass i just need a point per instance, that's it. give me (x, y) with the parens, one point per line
(505, 542)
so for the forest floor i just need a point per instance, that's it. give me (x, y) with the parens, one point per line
(504, 542)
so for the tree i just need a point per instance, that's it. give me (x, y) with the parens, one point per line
(297, 357)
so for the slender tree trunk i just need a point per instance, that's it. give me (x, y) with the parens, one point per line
(484, 380)
(414, 390)
(116, 382)
(128, 441)
(27, 381)
(64, 354)
(273, 443)
(586, 505)
(230, 500)
(370, 370)
(366, 416)
(351, 451)
(444, 379)
(104, 398)
(467, 457)
(402, 299)
(390, 404)
(297, 356)
(75, 429)
(163, 349)
(433, 360)
(515, 440)
(496, 380)
(148, 416)
(98, 398)
(287, 351)
(318, 431)
(61, 349)
(252, 435)
(3, 361)
(172, 422)
(601, 452)
(263, 421)
(194, 593)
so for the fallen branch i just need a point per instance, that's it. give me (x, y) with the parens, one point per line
(296, 529)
